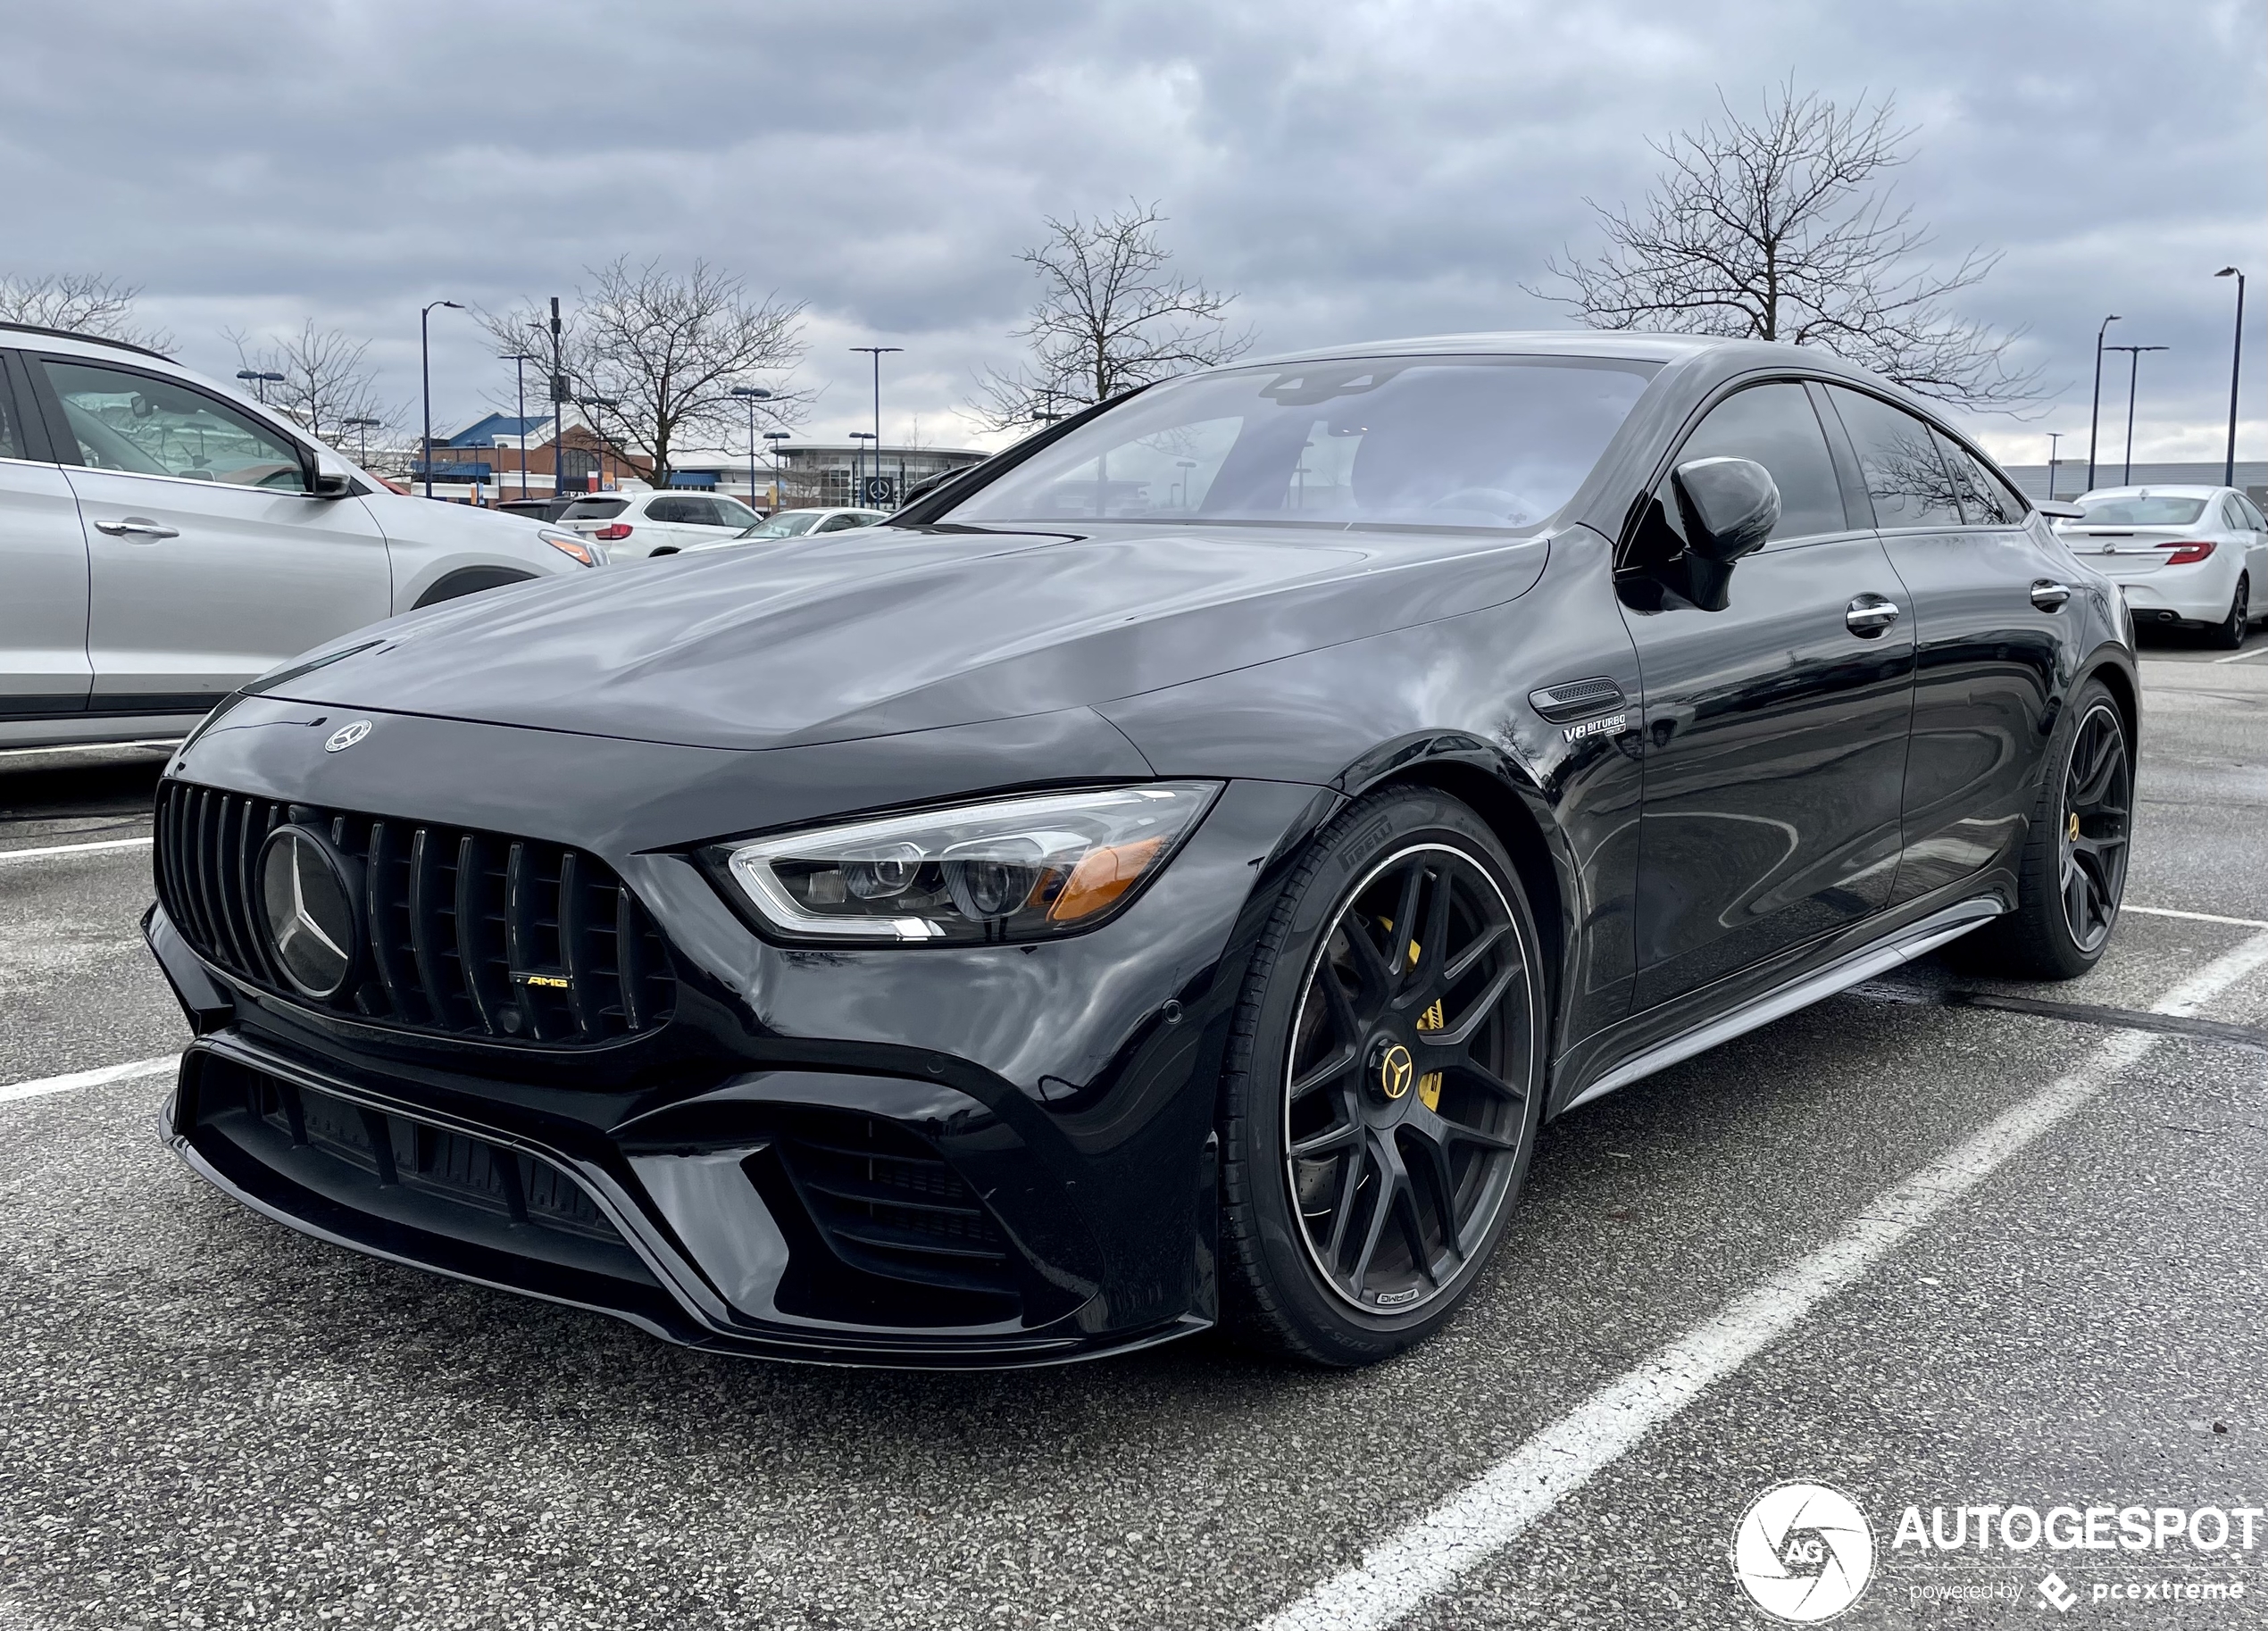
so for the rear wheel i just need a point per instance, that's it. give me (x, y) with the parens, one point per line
(2073, 875)
(2230, 632)
(1385, 1081)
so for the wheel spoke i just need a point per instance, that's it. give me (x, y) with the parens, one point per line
(1323, 1075)
(1433, 953)
(1480, 947)
(1369, 962)
(1406, 928)
(1487, 1080)
(1459, 1132)
(1441, 1178)
(1389, 1185)
(1460, 1033)
(1346, 1136)
(1350, 1183)
(1405, 1213)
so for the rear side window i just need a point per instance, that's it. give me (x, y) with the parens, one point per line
(1774, 425)
(11, 442)
(2245, 508)
(1985, 499)
(671, 512)
(147, 426)
(1908, 482)
(593, 509)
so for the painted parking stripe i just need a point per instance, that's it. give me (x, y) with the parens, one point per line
(40, 1088)
(1402, 1573)
(74, 849)
(2242, 656)
(2195, 917)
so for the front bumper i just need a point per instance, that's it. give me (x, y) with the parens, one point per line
(931, 1157)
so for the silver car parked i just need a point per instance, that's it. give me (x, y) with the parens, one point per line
(163, 541)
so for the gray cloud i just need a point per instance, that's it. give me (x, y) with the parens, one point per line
(1356, 169)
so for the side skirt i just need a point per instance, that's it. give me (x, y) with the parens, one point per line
(1916, 940)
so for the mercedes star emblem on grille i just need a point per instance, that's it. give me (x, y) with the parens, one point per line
(347, 735)
(309, 903)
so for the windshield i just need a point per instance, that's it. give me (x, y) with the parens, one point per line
(1402, 441)
(2143, 511)
(787, 524)
(593, 509)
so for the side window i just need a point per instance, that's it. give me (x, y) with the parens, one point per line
(1985, 500)
(701, 512)
(836, 523)
(2232, 517)
(148, 425)
(11, 440)
(1774, 425)
(2251, 512)
(669, 511)
(732, 512)
(1908, 482)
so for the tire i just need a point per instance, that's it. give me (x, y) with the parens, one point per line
(2230, 632)
(1448, 1146)
(2045, 937)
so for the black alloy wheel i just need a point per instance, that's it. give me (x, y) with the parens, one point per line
(1380, 1120)
(2098, 799)
(2230, 632)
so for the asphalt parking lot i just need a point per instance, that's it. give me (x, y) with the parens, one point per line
(209, 1420)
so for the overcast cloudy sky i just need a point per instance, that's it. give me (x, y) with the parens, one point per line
(1354, 170)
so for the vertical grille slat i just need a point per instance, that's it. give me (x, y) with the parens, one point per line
(450, 916)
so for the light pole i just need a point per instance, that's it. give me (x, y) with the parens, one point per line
(2094, 414)
(519, 361)
(779, 471)
(425, 375)
(2235, 359)
(558, 392)
(877, 352)
(2133, 369)
(858, 466)
(260, 382)
(751, 394)
(364, 425)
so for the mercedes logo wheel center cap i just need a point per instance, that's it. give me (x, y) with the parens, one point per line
(307, 899)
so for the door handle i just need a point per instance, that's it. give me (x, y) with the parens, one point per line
(136, 527)
(1869, 615)
(2049, 596)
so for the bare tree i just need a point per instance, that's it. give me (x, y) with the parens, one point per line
(1110, 315)
(81, 304)
(327, 380)
(663, 351)
(1784, 229)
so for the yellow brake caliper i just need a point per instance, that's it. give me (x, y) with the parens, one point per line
(1429, 1086)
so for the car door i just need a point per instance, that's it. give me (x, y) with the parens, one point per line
(1776, 701)
(43, 568)
(674, 521)
(1983, 571)
(208, 561)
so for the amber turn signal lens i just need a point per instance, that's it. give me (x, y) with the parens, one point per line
(1101, 877)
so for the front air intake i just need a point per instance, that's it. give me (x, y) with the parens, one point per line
(459, 932)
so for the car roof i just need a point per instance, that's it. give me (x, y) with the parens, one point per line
(98, 342)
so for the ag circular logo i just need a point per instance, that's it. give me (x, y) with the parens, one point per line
(1395, 1071)
(1804, 1552)
(346, 737)
(307, 905)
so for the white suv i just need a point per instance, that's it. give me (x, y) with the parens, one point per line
(656, 523)
(163, 541)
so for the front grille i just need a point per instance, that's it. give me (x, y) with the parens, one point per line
(454, 922)
(888, 1203)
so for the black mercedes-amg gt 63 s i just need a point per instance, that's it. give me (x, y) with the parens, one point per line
(1163, 877)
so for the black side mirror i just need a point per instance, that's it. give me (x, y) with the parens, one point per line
(330, 484)
(1730, 507)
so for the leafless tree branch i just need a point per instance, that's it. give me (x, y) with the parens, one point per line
(327, 380)
(81, 304)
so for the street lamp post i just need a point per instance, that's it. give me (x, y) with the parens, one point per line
(260, 382)
(778, 465)
(519, 361)
(2094, 414)
(877, 351)
(425, 375)
(2235, 359)
(364, 425)
(751, 394)
(2133, 369)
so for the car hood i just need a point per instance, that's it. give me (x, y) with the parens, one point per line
(870, 633)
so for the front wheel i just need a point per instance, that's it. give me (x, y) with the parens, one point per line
(2230, 632)
(1386, 1078)
(2073, 874)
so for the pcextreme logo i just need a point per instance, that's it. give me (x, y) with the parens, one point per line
(1804, 1552)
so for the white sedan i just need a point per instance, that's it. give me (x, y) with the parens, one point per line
(632, 525)
(798, 523)
(2186, 556)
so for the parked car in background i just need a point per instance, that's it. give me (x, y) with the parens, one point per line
(539, 509)
(800, 523)
(163, 541)
(656, 523)
(2191, 557)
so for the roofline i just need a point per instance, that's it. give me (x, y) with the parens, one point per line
(91, 339)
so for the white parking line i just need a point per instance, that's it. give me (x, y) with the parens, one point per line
(2243, 656)
(2195, 917)
(9, 1091)
(1425, 1558)
(74, 849)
